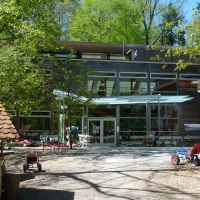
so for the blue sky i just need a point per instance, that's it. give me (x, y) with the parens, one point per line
(188, 5)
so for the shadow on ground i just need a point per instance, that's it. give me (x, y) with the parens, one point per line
(42, 194)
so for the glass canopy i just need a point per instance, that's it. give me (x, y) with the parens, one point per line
(122, 100)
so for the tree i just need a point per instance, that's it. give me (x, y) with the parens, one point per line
(171, 33)
(137, 21)
(160, 21)
(26, 28)
(70, 77)
(106, 21)
(148, 10)
(63, 13)
(66, 75)
(192, 47)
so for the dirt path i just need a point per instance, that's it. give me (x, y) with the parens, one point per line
(107, 173)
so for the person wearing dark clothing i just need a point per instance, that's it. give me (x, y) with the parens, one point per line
(47, 138)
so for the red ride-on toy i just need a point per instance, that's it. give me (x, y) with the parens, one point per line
(31, 158)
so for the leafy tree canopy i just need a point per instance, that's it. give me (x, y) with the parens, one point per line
(160, 20)
(26, 28)
(106, 21)
(137, 22)
(191, 51)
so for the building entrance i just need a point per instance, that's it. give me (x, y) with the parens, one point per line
(102, 131)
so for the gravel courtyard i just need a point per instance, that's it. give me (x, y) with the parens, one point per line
(99, 173)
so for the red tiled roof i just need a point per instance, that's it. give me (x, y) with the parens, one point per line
(7, 129)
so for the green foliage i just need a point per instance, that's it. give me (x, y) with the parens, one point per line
(28, 20)
(172, 19)
(161, 21)
(136, 22)
(188, 54)
(19, 78)
(26, 28)
(71, 77)
(106, 21)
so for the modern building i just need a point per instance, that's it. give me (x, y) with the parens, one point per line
(139, 100)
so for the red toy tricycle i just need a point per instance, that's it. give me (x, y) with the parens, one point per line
(31, 158)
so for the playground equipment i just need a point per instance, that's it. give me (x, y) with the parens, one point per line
(31, 158)
(182, 155)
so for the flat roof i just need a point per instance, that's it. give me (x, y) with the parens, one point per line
(151, 99)
(104, 47)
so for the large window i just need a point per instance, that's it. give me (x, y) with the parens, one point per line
(187, 85)
(136, 125)
(102, 111)
(165, 83)
(133, 84)
(168, 118)
(37, 120)
(102, 83)
(133, 118)
(133, 129)
(133, 110)
(94, 56)
(36, 123)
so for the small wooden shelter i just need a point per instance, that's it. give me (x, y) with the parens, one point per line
(7, 132)
(7, 129)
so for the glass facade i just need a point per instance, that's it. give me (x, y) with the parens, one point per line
(163, 83)
(136, 121)
(36, 124)
(132, 123)
(102, 111)
(114, 73)
(102, 84)
(133, 84)
(168, 119)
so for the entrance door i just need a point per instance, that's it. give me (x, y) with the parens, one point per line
(102, 131)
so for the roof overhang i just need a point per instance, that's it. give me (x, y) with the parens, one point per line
(151, 99)
(123, 100)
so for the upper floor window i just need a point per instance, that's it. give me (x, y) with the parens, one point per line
(189, 76)
(187, 85)
(102, 83)
(102, 74)
(94, 56)
(163, 83)
(133, 83)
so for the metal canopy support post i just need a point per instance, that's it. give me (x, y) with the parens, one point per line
(62, 108)
(117, 125)
(147, 128)
(159, 95)
(61, 126)
(148, 116)
(147, 122)
(85, 121)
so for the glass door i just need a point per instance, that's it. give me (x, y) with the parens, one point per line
(108, 131)
(102, 131)
(94, 131)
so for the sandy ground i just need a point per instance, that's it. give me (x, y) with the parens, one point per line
(100, 173)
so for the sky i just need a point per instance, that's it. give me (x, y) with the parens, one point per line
(188, 5)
